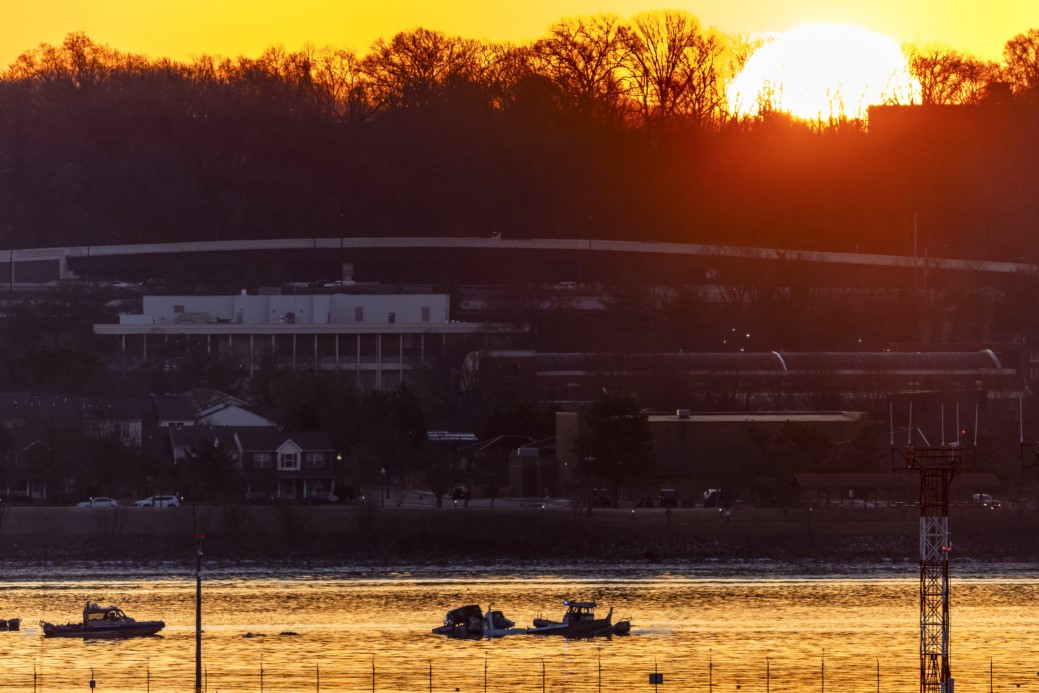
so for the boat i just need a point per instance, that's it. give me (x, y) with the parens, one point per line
(579, 621)
(10, 623)
(102, 622)
(470, 621)
(495, 625)
(463, 622)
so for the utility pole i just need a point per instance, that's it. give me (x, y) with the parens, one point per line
(198, 614)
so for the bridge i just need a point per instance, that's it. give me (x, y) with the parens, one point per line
(33, 266)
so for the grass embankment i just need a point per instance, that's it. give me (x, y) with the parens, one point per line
(369, 532)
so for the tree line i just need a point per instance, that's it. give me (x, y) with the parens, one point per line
(602, 128)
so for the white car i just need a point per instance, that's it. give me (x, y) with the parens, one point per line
(159, 502)
(339, 282)
(99, 502)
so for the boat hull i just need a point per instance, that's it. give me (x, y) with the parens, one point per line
(582, 629)
(114, 630)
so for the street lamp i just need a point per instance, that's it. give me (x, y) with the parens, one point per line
(385, 484)
(198, 613)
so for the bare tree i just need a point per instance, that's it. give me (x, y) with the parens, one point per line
(414, 67)
(1021, 55)
(673, 67)
(583, 58)
(341, 87)
(79, 62)
(948, 77)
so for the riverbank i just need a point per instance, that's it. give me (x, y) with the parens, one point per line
(526, 532)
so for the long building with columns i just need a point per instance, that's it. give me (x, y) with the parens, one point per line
(377, 338)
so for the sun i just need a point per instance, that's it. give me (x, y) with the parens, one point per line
(823, 71)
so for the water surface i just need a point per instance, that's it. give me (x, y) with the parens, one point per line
(716, 626)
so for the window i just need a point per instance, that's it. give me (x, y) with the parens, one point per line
(262, 460)
(288, 460)
(1033, 373)
(358, 313)
(1033, 356)
(178, 309)
(508, 369)
(425, 313)
(314, 460)
(392, 318)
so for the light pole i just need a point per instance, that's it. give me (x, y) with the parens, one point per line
(385, 485)
(198, 614)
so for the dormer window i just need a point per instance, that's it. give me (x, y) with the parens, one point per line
(288, 460)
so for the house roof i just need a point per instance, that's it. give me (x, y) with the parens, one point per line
(223, 410)
(191, 435)
(545, 446)
(173, 409)
(27, 406)
(203, 398)
(270, 439)
(121, 408)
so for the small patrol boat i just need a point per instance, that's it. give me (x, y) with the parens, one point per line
(579, 621)
(102, 622)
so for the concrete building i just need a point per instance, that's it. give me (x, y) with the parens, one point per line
(762, 380)
(378, 338)
(692, 451)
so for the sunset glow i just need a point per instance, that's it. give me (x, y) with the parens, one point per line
(823, 71)
(187, 28)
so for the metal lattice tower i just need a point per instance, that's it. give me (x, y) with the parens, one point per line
(936, 466)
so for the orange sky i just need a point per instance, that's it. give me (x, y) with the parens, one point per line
(187, 28)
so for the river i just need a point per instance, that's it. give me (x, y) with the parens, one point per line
(726, 626)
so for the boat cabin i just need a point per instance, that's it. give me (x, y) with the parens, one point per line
(579, 611)
(92, 614)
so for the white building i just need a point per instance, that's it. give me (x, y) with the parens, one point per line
(376, 337)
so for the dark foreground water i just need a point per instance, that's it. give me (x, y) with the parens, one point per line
(759, 626)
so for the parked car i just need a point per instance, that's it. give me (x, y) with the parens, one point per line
(986, 501)
(159, 502)
(99, 502)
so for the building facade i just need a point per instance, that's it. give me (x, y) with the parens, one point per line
(379, 339)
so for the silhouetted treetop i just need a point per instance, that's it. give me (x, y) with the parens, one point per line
(602, 128)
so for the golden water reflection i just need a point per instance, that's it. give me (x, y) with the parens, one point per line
(335, 631)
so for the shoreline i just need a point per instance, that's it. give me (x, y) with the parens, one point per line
(347, 534)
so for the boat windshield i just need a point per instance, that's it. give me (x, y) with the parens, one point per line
(109, 614)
